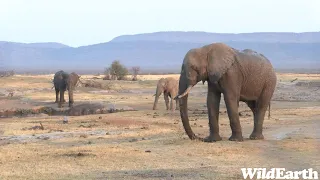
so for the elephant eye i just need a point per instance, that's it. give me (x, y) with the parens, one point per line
(195, 68)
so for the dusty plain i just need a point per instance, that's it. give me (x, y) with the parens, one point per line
(146, 143)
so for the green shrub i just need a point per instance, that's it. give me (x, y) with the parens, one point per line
(116, 71)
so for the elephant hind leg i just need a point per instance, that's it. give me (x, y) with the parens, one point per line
(259, 112)
(252, 106)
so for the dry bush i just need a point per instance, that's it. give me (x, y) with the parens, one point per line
(135, 72)
(110, 77)
(107, 75)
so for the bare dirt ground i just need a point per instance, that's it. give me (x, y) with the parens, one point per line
(147, 144)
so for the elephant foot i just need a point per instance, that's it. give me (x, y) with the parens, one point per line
(60, 105)
(256, 136)
(212, 138)
(236, 137)
(56, 101)
(70, 105)
(64, 101)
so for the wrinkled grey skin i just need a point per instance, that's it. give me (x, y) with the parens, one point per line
(238, 75)
(63, 81)
(169, 88)
(252, 52)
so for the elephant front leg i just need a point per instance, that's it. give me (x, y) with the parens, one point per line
(61, 98)
(232, 102)
(166, 99)
(57, 96)
(213, 104)
(172, 108)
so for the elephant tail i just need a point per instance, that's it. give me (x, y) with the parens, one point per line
(269, 115)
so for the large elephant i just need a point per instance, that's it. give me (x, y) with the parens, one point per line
(63, 81)
(169, 87)
(238, 75)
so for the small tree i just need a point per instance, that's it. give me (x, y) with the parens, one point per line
(107, 75)
(117, 71)
(135, 73)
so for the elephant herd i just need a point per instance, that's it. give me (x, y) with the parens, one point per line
(245, 76)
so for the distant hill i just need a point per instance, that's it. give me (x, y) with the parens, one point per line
(53, 45)
(204, 37)
(160, 51)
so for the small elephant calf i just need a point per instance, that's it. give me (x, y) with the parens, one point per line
(169, 88)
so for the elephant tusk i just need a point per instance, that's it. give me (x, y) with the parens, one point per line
(185, 93)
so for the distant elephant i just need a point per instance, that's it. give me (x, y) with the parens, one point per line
(63, 81)
(169, 88)
(238, 75)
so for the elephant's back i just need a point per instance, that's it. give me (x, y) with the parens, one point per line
(60, 74)
(256, 67)
(251, 54)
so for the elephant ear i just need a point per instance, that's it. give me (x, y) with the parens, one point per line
(220, 58)
(165, 85)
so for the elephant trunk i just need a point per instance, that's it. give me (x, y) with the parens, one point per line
(70, 97)
(156, 98)
(183, 102)
(70, 93)
(185, 119)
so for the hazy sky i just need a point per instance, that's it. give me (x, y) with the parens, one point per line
(83, 22)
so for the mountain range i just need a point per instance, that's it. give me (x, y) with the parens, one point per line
(159, 51)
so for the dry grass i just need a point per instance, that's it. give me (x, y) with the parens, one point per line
(307, 145)
(292, 76)
(148, 144)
